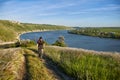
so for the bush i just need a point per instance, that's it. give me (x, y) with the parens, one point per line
(60, 42)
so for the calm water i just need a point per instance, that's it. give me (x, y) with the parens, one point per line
(78, 41)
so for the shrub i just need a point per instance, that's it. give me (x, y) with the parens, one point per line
(60, 42)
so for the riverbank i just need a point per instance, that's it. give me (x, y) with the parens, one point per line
(107, 32)
(18, 36)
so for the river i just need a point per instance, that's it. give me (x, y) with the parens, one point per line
(77, 41)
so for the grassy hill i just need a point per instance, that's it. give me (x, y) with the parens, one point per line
(85, 64)
(80, 64)
(10, 29)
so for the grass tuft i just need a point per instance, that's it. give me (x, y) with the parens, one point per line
(12, 64)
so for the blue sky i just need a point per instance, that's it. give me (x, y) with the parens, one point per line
(85, 13)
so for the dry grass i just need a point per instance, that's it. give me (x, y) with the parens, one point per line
(19, 64)
(12, 64)
(36, 70)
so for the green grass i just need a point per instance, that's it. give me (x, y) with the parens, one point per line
(111, 29)
(86, 65)
(7, 34)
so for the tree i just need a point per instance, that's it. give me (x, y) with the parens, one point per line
(60, 42)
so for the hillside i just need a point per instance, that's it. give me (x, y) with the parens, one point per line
(23, 64)
(84, 64)
(9, 30)
(70, 63)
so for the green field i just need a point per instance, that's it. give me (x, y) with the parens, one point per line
(110, 29)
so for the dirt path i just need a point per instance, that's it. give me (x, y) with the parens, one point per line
(52, 71)
(4, 43)
(54, 68)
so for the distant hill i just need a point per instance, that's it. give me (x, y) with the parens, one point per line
(9, 30)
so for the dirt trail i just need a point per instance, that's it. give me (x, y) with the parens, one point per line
(4, 43)
(54, 68)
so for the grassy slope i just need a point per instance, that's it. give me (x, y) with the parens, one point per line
(78, 63)
(9, 30)
(86, 65)
(20, 64)
(6, 33)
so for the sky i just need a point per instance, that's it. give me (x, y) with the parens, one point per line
(83, 13)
